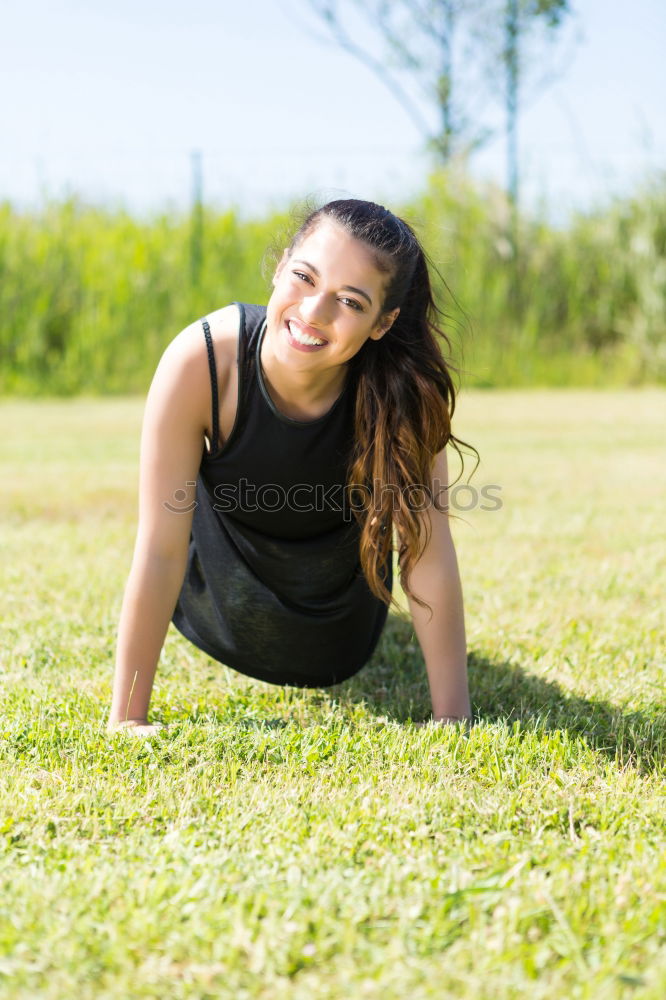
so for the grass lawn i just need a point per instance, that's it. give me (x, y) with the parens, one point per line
(278, 843)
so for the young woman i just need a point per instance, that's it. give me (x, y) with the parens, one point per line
(282, 448)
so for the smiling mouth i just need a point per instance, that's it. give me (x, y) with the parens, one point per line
(304, 338)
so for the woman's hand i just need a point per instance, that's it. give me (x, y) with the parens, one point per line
(138, 727)
(172, 436)
(440, 628)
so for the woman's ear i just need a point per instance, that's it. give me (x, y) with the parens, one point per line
(283, 260)
(384, 324)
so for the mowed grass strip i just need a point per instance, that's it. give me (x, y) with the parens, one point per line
(278, 843)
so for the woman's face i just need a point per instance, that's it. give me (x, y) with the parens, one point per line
(326, 300)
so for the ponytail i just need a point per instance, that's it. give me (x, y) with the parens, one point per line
(405, 398)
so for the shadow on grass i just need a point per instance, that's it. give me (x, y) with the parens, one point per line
(394, 685)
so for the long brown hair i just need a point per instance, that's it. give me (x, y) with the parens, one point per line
(405, 395)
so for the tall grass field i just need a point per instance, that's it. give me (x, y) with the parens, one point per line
(282, 844)
(90, 296)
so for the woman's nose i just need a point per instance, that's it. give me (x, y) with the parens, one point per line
(315, 308)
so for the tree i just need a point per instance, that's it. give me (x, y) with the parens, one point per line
(459, 54)
(504, 34)
(492, 40)
(418, 41)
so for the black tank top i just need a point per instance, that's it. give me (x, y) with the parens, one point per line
(273, 586)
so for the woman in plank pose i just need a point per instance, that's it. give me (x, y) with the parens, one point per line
(282, 447)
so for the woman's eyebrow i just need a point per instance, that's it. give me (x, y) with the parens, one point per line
(346, 288)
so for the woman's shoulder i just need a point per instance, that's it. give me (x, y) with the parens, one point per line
(187, 351)
(223, 323)
(183, 372)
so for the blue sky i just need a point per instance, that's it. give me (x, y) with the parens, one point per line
(109, 99)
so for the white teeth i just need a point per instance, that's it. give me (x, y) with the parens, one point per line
(304, 338)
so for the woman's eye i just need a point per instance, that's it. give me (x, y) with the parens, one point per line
(348, 302)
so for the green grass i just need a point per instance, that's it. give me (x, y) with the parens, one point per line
(278, 843)
(90, 296)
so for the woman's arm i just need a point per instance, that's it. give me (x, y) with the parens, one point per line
(171, 447)
(436, 580)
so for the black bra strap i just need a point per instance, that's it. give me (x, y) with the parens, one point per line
(213, 384)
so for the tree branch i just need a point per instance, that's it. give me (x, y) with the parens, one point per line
(328, 12)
